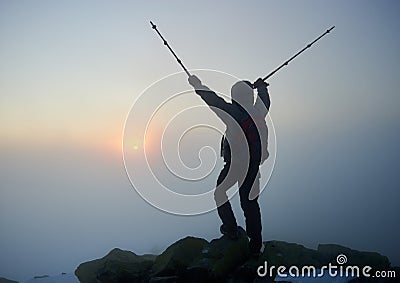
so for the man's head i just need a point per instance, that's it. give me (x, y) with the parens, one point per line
(242, 93)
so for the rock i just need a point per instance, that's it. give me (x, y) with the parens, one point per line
(59, 278)
(164, 279)
(196, 260)
(41, 276)
(116, 266)
(219, 258)
(354, 258)
(288, 254)
(392, 278)
(277, 253)
(177, 257)
(4, 280)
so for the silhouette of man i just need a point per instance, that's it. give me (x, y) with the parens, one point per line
(245, 128)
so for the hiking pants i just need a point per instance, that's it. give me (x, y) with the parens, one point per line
(251, 208)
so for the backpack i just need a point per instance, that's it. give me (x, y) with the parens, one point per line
(257, 142)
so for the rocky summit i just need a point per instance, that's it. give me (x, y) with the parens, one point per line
(195, 260)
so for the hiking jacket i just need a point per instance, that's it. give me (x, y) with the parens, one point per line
(231, 112)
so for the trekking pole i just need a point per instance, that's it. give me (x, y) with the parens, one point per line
(170, 49)
(297, 54)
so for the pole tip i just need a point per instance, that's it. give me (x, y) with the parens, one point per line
(152, 25)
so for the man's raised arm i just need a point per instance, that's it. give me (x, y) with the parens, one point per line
(263, 101)
(209, 96)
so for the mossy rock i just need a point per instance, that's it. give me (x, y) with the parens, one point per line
(116, 266)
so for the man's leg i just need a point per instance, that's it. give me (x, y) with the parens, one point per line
(221, 199)
(251, 208)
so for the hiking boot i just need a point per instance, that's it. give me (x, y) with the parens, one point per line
(256, 248)
(232, 234)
